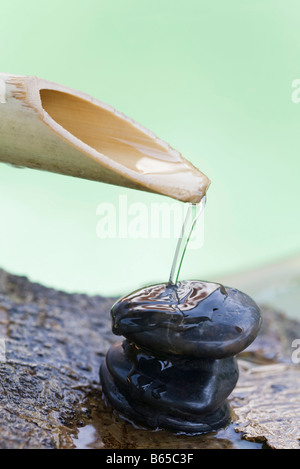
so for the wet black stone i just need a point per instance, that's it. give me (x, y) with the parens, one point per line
(184, 394)
(221, 324)
(178, 366)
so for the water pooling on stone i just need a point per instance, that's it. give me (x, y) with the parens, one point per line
(177, 366)
(193, 318)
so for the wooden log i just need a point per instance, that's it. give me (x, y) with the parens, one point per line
(52, 344)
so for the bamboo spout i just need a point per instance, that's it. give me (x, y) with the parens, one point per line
(50, 127)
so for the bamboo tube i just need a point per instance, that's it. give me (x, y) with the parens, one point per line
(50, 127)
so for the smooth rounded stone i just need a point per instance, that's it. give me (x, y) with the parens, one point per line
(180, 394)
(193, 318)
(177, 366)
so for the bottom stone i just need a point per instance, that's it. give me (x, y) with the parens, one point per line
(177, 394)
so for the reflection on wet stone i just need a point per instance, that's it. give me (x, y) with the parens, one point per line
(177, 365)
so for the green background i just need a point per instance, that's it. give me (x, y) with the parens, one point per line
(212, 78)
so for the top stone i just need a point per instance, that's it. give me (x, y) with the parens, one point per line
(192, 319)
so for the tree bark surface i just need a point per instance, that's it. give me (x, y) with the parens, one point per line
(52, 345)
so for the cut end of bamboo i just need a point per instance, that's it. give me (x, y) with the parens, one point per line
(50, 127)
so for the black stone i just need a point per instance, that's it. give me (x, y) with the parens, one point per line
(178, 366)
(198, 319)
(181, 394)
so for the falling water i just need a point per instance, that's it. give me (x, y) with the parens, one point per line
(192, 216)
